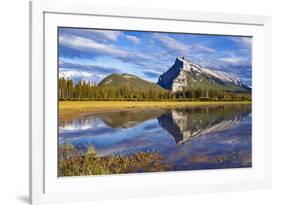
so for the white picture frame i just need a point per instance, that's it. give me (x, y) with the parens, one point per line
(46, 187)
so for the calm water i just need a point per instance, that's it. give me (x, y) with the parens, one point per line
(187, 138)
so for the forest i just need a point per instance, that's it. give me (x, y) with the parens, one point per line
(82, 90)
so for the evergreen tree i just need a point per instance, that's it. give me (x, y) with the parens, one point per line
(82, 90)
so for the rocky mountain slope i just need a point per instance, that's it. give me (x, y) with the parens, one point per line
(184, 74)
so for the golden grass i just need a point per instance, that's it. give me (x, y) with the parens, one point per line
(106, 105)
(69, 109)
(91, 164)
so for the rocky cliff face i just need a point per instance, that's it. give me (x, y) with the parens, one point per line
(184, 74)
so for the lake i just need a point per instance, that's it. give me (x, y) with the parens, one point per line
(191, 138)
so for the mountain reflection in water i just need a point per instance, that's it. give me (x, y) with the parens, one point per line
(187, 138)
(187, 123)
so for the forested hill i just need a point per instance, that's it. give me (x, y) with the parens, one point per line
(118, 81)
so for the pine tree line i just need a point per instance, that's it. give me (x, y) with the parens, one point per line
(68, 90)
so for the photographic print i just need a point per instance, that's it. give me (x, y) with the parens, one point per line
(143, 101)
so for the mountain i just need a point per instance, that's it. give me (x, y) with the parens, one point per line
(184, 74)
(130, 81)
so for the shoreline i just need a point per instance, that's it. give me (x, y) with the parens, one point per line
(71, 109)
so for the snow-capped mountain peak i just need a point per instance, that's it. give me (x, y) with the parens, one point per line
(185, 74)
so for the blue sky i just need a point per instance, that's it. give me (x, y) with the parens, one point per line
(91, 54)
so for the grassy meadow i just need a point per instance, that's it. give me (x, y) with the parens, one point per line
(69, 109)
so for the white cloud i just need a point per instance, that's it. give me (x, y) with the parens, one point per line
(108, 35)
(203, 48)
(235, 60)
(181, 47)
(229, 63)
(73, 73)
(90, 45)
(172, 43)
(77, 75)
(133, 39)
(246, 42)
(81, 43)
